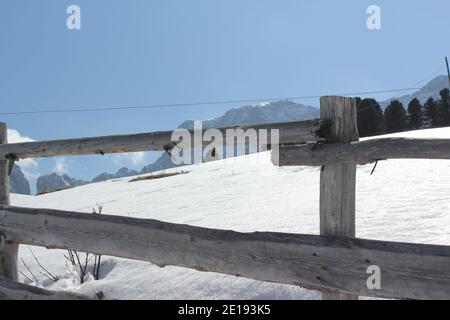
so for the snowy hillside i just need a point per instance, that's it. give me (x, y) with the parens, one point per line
(405, 200)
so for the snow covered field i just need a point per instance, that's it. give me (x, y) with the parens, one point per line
(405, 200)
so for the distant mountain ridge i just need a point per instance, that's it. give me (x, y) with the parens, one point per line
(53, 182)
(431, 89)
(121, 173)
(277, 111)
(18, 182)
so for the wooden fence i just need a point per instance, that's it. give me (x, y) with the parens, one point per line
(335, 263)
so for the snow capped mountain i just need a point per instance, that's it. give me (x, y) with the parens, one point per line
(122, 172)
(125, 172)
(103, 177)
(431, 89)
(162, 163)
(278, 111)
(53, 182)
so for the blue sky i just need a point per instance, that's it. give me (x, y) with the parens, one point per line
(131, 53)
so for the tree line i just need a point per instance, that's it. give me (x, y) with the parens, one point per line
(372, 120)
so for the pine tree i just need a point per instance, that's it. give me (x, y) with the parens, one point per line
(444, 108)
(370, 117)
(395, 118)
(415, 114)
(430, 113)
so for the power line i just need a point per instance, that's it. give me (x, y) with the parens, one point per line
(209, 103)
(194, 104)
(431, 75)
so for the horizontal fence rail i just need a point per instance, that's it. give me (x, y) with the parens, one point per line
(290, 132)
(414, 271)
(362, 152)
(335, 262)
(11, 290)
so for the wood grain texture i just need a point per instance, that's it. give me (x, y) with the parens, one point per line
(338, 180)
(290, 132)
(9, 253)
(11, 290)
(316, 262)
(365, 151)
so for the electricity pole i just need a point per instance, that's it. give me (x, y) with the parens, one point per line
(448, 70)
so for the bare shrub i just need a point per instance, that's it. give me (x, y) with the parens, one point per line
(43, 271)
(80, 261)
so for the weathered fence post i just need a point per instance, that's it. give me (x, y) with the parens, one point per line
(8, 252)
(338, 180)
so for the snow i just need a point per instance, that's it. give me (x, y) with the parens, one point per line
(405, 200)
